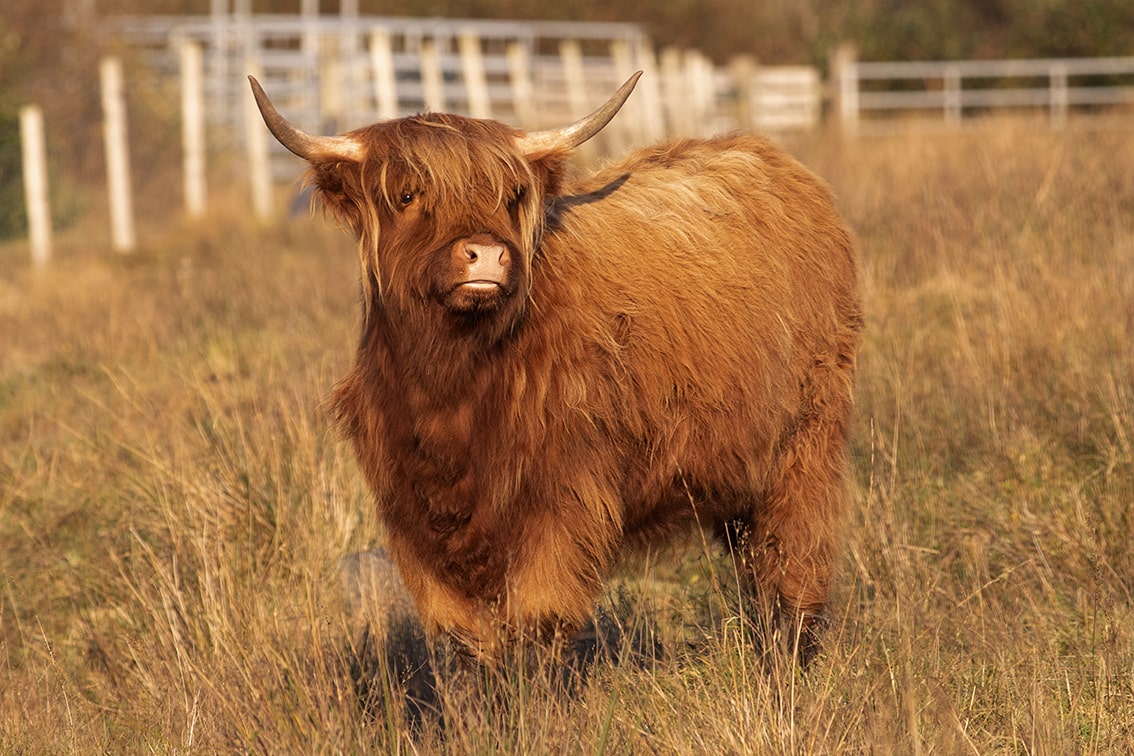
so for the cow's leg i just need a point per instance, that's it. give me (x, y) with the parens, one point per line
(792, 537)
(558, 574)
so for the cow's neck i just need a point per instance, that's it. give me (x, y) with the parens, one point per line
(444, 390)
(438, 362)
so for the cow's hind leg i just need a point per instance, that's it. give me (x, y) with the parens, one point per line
(792, 536)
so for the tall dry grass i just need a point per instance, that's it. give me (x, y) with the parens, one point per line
(174, 503)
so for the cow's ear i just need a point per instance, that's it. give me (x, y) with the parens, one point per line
(338, 186)
(549, 169)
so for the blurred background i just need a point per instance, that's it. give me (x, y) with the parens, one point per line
(49, 54)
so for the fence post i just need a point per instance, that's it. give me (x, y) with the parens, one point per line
(649, 93)
(699, 77)
(385, 82)
(331, 110)
(193, 127)
(259, 160)
(432, 81)
(845, 75)
(675, 93)
(472, 72)
(952, 96)
(117, 155)
(218, 68)
(35, 183)
(627, 129)
(353, 72)
(571, 56)
(743, 69)
(519, 72)
(1060, 99)
(309, 14)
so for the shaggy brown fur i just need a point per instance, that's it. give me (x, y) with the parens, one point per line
(670, 345)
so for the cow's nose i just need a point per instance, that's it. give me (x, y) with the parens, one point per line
(490, 252)
(483, 250)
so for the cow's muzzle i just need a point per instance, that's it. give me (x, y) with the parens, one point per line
(484, 262)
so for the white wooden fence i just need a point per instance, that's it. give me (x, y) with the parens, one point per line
(870, 94)
(331, 73)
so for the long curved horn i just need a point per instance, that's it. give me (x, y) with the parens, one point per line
(306, 146)
(569, 137)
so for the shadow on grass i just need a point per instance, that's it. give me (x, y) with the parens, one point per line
(402, 678)
(399, 676)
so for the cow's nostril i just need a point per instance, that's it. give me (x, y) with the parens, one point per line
(481, 255)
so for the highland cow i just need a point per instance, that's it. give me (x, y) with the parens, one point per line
(553, 370)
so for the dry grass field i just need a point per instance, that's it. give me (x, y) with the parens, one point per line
(174, 500)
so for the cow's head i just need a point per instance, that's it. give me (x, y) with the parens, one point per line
(448, 210)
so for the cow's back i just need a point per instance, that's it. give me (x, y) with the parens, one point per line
(712, 277)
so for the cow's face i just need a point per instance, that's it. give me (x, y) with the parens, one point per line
(448, 209)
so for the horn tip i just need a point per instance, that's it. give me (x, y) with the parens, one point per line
(628, 85)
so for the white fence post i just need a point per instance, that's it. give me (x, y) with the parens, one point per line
(649, 93)
(702, 91)
(354, 79)
(432, 81)
(385, 82)
(193, 127)
(332, 110)
(35, 183)
(627, 130)
(519, 73)
(472, 71)
(117, 155)
(675, 93)
(845, 74)
(309, 13)
(1060, 98)
(218, 65)
(259, 160)
(571, 55)
(952, 96)
(743, 70)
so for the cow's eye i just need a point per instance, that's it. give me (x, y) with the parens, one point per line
(407, 198)
(518, 195)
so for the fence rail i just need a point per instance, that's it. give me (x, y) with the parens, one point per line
(957, 89)
(330, 73)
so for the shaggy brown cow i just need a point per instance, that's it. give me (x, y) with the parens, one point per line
(552, 370)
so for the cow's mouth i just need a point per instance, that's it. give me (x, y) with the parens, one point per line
(477, 295)
(480, 284)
